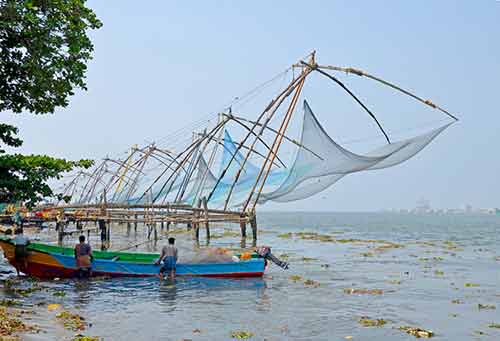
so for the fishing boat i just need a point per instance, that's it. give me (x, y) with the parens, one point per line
(51, 261)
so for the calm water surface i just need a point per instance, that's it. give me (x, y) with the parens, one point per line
(438, 256)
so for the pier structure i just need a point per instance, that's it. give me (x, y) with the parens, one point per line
(74, 219)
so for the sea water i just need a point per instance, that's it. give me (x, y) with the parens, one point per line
(431, 271)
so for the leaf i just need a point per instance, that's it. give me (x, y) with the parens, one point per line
(71, 321)
(240, 334)
(53, 306)
(312, 283)
(417, 332)
(295, 278)
(367, 322)
(364, 291)
(486, 306)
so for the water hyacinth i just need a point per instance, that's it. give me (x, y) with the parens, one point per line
(72, 321)
(241, 334)
(367, 322)
(417, 332)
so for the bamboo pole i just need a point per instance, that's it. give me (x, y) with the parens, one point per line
(276, 145)
(362, 73)
(275, 105)
(206, 216)
(199, 190)
(189, 148)
(277, 100)
(342, 85)
(260, 139)
(295, 142)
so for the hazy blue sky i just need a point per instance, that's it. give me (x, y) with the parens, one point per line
(160, 65)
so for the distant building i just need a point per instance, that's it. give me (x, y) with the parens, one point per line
(423, 206)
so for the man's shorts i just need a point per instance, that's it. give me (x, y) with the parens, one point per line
(169, 264)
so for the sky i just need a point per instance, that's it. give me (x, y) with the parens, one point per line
(162, 65)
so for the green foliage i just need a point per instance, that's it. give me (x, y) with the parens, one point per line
(44, 48)
(7, 136)
(23, 178)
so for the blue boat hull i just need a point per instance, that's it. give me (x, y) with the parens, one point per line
(246, 268)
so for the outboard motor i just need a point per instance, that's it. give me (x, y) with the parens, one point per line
(265, 252)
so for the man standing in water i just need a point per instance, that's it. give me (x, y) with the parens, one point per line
(83, 255)
(169, 258)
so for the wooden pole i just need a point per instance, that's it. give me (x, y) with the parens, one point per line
(362, 73)
(207, 224)
(188, 150)
(253, 224)
(243, 227)
(276, 145)
(278, 101)
(196, 224)
(60, 233)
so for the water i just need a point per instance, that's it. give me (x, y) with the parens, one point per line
(439, 255)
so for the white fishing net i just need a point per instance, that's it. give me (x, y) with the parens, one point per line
(310, 174)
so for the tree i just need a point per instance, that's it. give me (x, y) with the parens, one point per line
(44, 50)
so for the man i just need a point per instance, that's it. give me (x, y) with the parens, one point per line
(83, 255)
(17, 221)
(20, 250)
(169, 258)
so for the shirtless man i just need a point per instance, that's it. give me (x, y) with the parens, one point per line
(83, 255)
(169, 258)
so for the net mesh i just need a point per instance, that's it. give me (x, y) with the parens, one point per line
(310, 174)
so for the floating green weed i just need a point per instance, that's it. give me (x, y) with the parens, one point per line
(241, 334)
(417, 332)
(486, 306)
(367, 322)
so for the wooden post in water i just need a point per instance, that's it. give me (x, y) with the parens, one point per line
(135, 223)
(168, 221)
(108, 231)
(207, 224)
(60, 232)
(102, 223)
(102, 229)
(243, 226)
(196, 224)
(253, 224)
